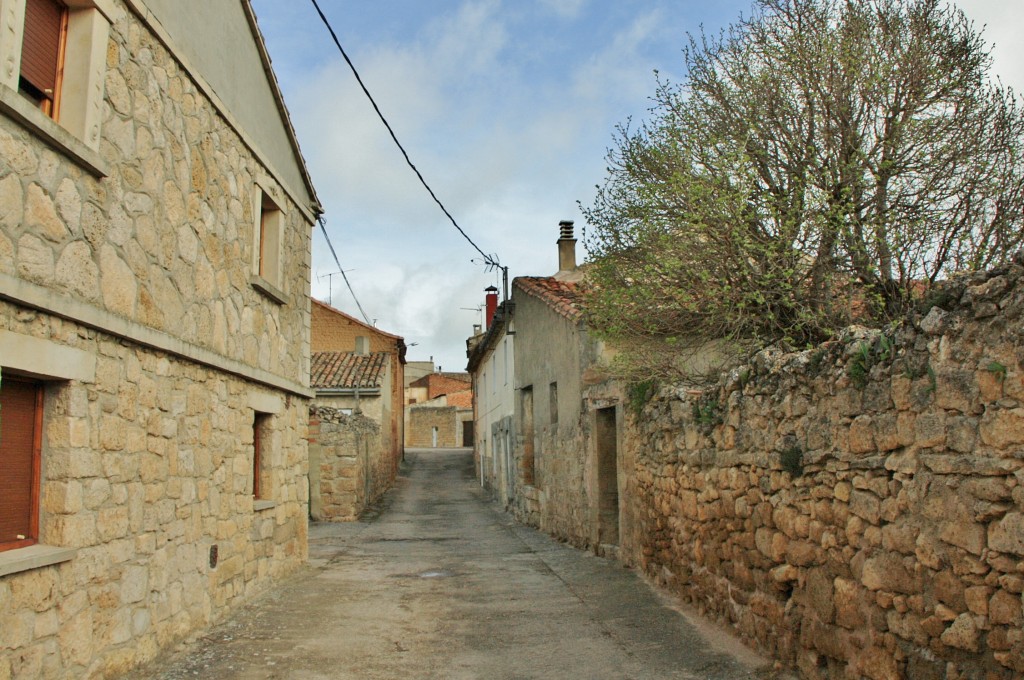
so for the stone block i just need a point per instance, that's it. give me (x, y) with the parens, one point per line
(1005, 609)
(1007, 535)
(888, 572)
(963, 634)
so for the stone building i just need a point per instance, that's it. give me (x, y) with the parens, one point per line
(568, 416)
(439, 411)
(491, 364)
(155, 217)
(351, 459)
(332, 330)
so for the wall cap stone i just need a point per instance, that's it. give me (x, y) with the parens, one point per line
(50, 133)
(33, 557)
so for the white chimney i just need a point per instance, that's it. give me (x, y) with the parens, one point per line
(566, 247)
(362, 345)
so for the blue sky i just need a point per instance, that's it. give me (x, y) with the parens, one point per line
(507, 107)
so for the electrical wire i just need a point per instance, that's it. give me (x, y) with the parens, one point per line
(323, 228)
(491, 260)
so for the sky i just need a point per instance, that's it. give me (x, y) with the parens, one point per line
(507, 108)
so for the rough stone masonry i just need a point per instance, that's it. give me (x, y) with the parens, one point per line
(856, 509)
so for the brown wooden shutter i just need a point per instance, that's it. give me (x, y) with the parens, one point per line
(40, 52)
(20, 425)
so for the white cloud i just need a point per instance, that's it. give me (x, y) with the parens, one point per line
(566, 9)
(1002, 21)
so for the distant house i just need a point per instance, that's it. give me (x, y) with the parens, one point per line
(491, 365)
(439, 411)
(155, 217)
(356, 422)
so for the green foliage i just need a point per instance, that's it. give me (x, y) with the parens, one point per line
(821, 156)
(997, 368)
(639, 393)
(792, 460)
(707, 411)
(860, 365)
(867, 356)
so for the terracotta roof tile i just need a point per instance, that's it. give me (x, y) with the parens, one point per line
(347, 370)
(562, 296)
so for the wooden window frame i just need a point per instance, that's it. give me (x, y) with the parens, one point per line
(36, 466)
(49, 103)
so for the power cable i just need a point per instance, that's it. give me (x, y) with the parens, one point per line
(320, 221)
(490, 260)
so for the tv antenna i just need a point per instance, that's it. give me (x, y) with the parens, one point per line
(330, 282)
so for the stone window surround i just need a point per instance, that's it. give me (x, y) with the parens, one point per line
(263, 403)
(46, 361)
(268, 231)
(77, 134)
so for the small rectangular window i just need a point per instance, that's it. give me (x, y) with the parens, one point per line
(21, 423)
(269, 266)
(42, 54)
(260, 437)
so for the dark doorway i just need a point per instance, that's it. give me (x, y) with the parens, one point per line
(467, 433)
(607, 476)
(526, 412)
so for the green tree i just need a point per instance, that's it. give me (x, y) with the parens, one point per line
(822, 160)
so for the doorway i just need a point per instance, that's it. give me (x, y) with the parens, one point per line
(606, 435)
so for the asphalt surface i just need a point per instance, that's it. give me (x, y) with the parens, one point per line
(438, 582)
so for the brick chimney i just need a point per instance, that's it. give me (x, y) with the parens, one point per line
(566, 247)
(490, 304)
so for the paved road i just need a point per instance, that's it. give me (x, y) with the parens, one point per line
(439, 583)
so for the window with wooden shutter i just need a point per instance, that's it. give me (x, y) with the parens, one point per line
(42, 53)
(21, 422)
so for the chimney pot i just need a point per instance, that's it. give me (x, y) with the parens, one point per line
(566, 247)
(490, 304)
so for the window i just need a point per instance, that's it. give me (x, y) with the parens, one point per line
(21, 421)
(553, 402)
(42, 54)
(54, 54)
(260, 437)
(267, 244)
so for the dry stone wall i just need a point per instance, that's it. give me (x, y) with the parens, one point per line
(350, 467)
(857, 510)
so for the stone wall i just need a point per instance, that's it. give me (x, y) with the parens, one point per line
(145, 469)
(349, 467)
(423, 419)
(856, 510)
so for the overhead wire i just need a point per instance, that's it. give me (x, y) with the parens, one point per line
(323, 228)
(490, 260)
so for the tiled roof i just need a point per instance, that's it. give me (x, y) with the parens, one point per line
(562, 296)
(347, 370)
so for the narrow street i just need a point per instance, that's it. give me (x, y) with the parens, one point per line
(437, 582)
